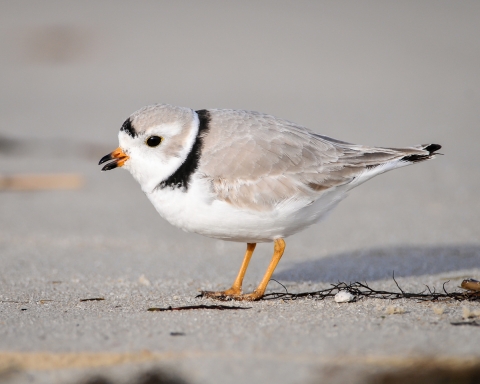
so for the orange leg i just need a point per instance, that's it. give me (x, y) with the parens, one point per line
(278, 247)
(236, 291)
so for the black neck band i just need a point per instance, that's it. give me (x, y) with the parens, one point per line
(181, 177)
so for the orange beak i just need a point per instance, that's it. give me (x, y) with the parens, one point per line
(118, 156)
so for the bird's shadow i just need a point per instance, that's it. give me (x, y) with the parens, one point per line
(378, 264)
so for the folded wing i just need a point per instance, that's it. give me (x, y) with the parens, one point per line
(257, 161)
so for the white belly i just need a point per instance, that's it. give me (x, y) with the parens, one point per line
(198, 211)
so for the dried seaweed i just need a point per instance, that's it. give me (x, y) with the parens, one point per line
(361, 290)
(472, 322)
(154, 376)
(188, 307)
(93, 299)
(14, 301)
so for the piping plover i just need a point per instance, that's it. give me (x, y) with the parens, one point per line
(244, 176)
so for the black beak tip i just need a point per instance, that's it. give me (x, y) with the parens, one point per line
(109, 166)
(105, 158)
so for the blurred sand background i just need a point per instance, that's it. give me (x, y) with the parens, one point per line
(370, 72)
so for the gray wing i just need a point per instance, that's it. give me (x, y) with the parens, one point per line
(257, 161)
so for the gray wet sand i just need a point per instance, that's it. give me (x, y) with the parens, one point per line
(391, 74)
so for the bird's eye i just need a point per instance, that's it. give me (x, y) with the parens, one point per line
(153, 141)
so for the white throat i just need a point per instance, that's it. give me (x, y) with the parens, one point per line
(151, 170)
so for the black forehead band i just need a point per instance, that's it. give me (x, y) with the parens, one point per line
(128, 128)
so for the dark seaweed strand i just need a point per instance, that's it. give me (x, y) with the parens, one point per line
(181, 177)
(128, 128)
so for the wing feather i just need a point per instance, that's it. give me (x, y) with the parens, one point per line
(257, 161)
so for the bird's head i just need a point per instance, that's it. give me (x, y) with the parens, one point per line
(153, 143)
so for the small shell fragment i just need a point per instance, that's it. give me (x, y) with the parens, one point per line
(344, 297)
(144, 281)
(468, 314)
(394, 310)
(438, 310)
(471, 284)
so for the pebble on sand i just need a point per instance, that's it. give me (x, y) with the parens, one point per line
(344, 297)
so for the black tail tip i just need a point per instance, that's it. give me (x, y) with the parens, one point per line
(432, 148)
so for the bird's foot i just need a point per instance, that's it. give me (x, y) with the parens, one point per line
(254, 296)
(231, 294)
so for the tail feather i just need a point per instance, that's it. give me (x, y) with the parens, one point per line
(396, 158)
(430, 148)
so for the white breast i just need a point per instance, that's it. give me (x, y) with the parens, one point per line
(197, 210)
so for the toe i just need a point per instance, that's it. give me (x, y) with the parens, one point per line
(220, 295)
